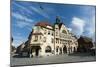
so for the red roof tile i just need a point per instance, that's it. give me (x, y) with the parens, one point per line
(44, 24)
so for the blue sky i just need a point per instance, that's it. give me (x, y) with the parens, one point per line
(79, 19)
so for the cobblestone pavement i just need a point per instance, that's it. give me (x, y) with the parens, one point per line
(51, 59)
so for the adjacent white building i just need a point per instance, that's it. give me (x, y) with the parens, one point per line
(47, 40)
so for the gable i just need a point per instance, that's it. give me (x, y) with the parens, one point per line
(63, 29)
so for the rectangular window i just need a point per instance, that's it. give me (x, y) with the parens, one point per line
(56, 40)
(44, 31)
(56, 33)
(52, 34)
(44, 39)
(52, 40)
(36, 38)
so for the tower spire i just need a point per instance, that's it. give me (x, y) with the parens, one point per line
(58, 19)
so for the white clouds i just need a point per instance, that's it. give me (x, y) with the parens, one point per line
(22, 24)
(17, 42)
(21, 17)
(77, 26)
(18, 39)
(22, 21)
(83, 27)
(90, 28)
(89, 17)
(23, 7)
(70, 29)
(92, 24)
(87, 12)
(39, 11)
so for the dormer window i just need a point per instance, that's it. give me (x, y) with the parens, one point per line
(48, 32)
(64, 31)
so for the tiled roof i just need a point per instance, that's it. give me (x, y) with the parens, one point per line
(44, 24)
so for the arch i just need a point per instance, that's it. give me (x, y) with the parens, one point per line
(74, 49)
(71, 49)
(57, 48)
(48, 49)
(64, 49)
(35, 49)
(60, 50)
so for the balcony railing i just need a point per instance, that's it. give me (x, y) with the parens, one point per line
(36, 42)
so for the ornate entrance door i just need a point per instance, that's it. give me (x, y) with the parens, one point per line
(37, 48)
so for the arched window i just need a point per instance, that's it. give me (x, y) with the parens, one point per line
(74, 49)
(64, 31)
(48, 49)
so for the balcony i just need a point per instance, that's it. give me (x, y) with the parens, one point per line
(36, 42)
(65, 36)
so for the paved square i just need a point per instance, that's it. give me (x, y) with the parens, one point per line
(51, 59)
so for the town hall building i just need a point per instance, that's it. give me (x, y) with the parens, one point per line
(47, 40)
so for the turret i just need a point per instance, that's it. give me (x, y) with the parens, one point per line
(58, 21)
